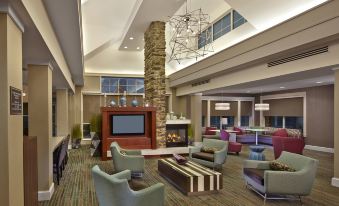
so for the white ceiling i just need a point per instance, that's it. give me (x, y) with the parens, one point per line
(108, 26)
(312, 78)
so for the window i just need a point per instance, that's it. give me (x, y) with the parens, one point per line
(222, 26)
(294, 123)
(274, 121)
(205, 37)
(119, 85)
(238, 20)
(215, 121)
(245, 121)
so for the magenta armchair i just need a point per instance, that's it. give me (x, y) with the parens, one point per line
(288, 144)
(233, 147)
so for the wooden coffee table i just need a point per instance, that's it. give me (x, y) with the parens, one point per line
(191, 178)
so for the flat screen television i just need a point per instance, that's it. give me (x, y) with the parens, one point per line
(127, 124)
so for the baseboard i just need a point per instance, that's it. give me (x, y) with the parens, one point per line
(335, 182)
(46, 195)
(320, 149)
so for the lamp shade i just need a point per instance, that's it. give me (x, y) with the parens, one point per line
(224, 121)
(222, 106)
(262, 107)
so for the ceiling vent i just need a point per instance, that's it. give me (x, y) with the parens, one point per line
(201, 83)
(298, 56)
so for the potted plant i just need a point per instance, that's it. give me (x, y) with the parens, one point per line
(76, 136)
(190, 134)
(93, 126)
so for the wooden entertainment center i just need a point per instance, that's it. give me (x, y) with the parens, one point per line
(147, 140)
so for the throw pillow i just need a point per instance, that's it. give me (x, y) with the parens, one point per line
(278, 166)
(281, 133)
(123, 152)
(209, 149)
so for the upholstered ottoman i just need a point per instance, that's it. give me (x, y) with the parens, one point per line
(234, 147)
(257, 152)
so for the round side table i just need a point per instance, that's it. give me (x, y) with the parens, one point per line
(257, 152)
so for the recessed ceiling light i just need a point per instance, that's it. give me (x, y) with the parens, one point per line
(131, 38)
(248, 91)
(319, 82)
(282, 87)
(125, 47)
(23, 94)
(138, 48)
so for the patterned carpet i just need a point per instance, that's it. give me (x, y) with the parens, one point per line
(76, 187)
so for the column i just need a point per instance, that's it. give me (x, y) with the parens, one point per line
(11, 126)
(155, 85)
(40, 122)
(239, 114)
(62, 112)
(208, 116)
(335, 179)
(196, 114)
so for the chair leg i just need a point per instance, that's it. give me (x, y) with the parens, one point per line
(301, 202)
(265, 198)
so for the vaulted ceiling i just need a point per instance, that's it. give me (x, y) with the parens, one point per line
(111, 25)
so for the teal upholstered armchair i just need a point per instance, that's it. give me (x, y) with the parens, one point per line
(127, 159)
(114, 190)
(267, 183)
(215, 160)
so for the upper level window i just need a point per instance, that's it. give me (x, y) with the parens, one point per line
(205, 37)
(119, 85)
(222, 26)
(238, 20)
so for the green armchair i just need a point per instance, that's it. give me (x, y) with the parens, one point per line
(215, 160)
(113, 190)
(132, 159)
(269, 183)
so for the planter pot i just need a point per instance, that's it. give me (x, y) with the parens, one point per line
(76, 144)
(92, 134)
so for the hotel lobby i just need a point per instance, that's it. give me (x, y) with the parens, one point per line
(169, 102)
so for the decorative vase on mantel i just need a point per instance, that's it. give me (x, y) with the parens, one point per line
(123, 100)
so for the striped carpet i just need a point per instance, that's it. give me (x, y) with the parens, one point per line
(76, 187)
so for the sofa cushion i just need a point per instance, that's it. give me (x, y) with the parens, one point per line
(123, 152)
(256, 175)
(278, 166)
(210, 150)
(137, 185)
(239, 131)
(280, 133)
(203, 156)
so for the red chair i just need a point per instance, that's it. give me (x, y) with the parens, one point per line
(289, 144)
(233, 147)
(209, 132)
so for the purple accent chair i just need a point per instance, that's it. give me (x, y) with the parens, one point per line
(233, 147)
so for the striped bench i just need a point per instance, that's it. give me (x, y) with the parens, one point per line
(191, 178)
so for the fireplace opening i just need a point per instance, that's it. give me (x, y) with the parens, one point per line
(176, 135)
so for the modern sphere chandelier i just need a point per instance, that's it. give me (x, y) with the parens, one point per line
(185, 32)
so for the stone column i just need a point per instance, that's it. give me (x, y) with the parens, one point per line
(155, 86)
(196, 114)
(335, 179)
(62, 112)
(40, 121)
(11, 126)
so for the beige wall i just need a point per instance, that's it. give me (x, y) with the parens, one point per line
(180, 104)
(92, 84)
(75, 108)
(11, 126)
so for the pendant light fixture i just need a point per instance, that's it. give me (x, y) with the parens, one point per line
(222, 105)
(261, 106)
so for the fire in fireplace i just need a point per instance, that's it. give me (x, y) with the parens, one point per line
(176, 135)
